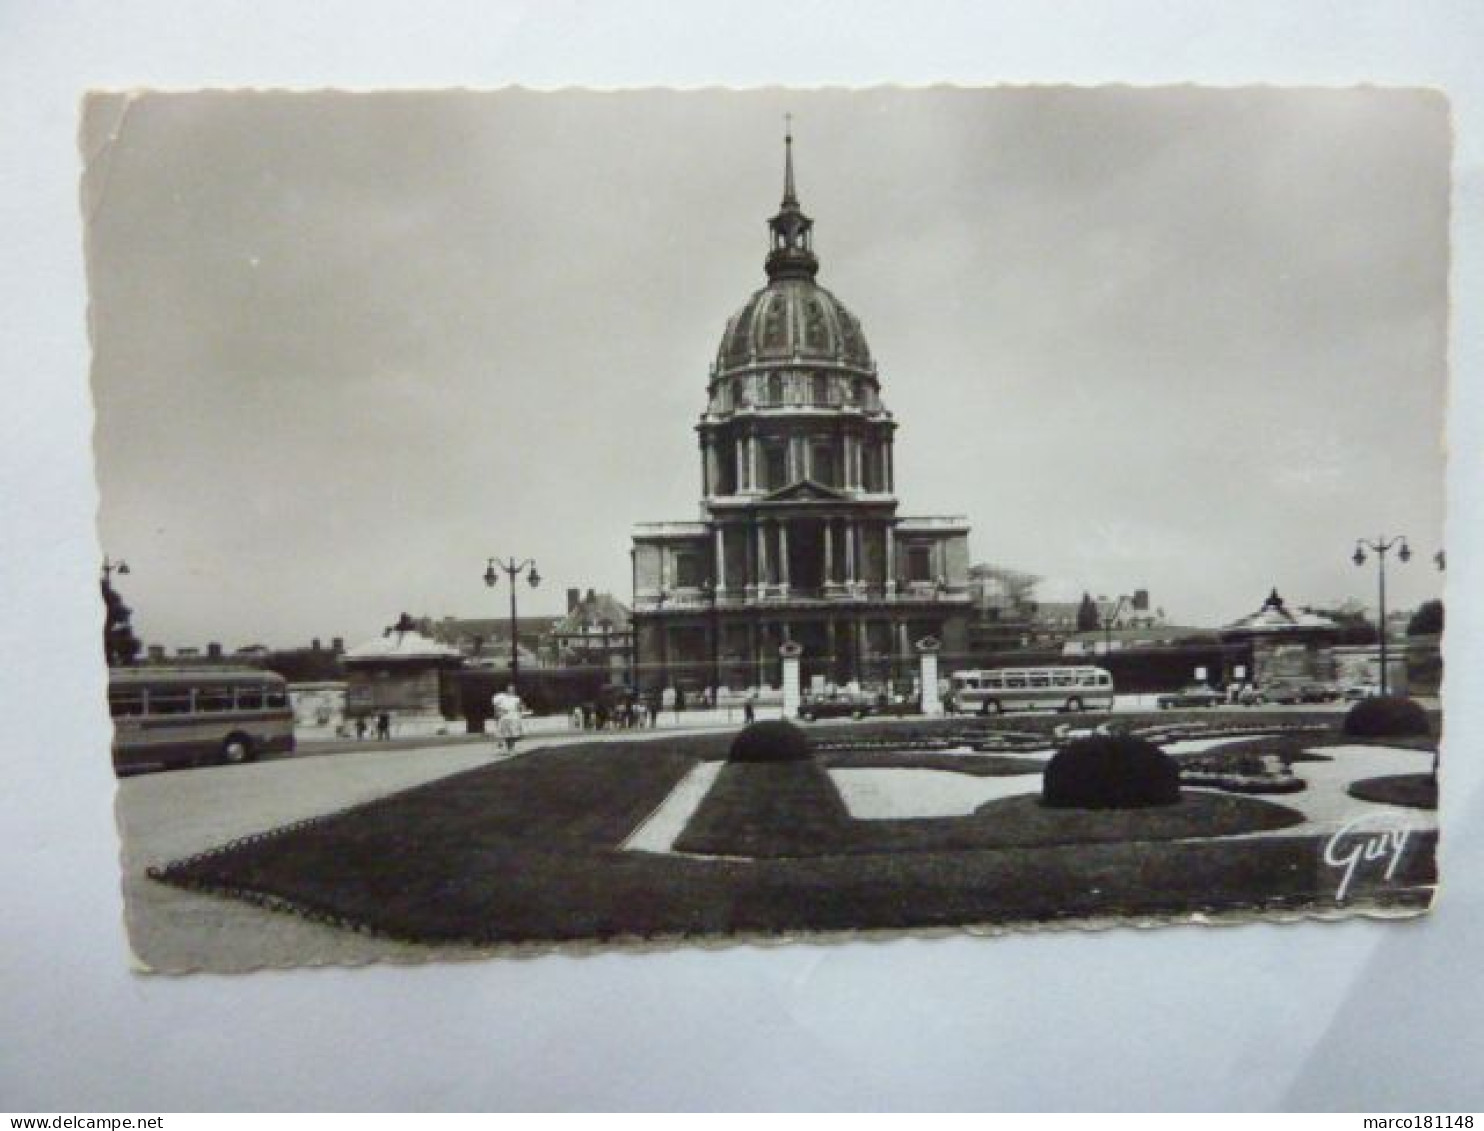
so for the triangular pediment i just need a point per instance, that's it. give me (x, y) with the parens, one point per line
(805, 491)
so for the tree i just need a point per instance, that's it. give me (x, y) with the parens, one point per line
(120, 645)
(1427, 620)
(1087, 615)
(1354, 627)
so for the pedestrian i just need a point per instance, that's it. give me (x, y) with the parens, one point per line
(577, 719)
(360, 728)
(509, 710)
(384, 726)
(679, 701)
(749, 707)
(656, 701)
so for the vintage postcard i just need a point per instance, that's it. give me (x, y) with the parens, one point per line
(663, 518)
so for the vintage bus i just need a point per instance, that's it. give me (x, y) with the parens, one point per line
(994, 690)
(164, 718)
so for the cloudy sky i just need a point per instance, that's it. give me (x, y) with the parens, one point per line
(349, 346)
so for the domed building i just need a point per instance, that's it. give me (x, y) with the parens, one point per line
(799, 538)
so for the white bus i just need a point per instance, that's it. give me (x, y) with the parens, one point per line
(995, 690)
(169, 717)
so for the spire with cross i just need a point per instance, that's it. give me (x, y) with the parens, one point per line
(792, 251)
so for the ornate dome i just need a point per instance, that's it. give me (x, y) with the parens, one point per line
(793, 319)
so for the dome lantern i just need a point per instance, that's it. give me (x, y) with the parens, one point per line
(792, 253)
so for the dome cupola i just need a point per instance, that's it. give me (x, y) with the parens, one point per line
(792, 319)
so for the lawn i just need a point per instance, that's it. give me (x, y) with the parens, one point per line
(1415, 791)
(527, 850)
(785, 810)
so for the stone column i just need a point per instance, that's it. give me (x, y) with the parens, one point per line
(829, 551)
(891, 559)
(849, 552)
(752, 456)
(763, 572)
(927, 651)
(783, 555)
(739, 457)
(719, 576)
(833, 639)
(713, 467)
(790, 653)
(891, 468)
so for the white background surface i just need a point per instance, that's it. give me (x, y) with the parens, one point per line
(1357, 1016)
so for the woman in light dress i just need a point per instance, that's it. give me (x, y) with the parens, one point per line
(508, 713)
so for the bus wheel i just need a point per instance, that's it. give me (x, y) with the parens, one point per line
(1074, 705)
(237, 749)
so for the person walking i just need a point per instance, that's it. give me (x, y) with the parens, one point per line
(749, 707)
(679, 701)
(384, 727)
(509, 728)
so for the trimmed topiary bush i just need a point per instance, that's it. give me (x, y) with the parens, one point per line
(1110, 772)
(772, 741)
(1388, 716)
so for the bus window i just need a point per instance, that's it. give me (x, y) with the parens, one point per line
(1015, 681)
(1104, 679)
(1089, 679)
(1041, 679)
(214, 699)
(169, 701)
(249, 698)
(277, 697)
(122, 704)
(1063, 679)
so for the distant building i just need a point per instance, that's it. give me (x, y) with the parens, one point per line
(485, 641)
(597, 630)
(1287, 645)
(402, 673)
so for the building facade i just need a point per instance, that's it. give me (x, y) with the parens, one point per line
(799, 539)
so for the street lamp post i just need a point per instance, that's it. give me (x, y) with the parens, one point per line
(1380, 547)
(709, 587)
(659, 624)
(1108, 622)
(111, 567)
(512, 569)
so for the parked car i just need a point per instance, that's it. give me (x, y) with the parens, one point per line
(1318, 693)
(1191, 695)
(1361, 691)
(834, 707)
(1288, 694)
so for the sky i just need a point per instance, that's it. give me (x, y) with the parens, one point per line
(347, 347)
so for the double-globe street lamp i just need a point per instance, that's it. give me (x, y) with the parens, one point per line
(1381, 546)
(512, 569)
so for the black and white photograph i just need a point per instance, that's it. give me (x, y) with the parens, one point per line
(556, 520)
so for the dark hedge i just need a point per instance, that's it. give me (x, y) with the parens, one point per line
(1110, 772)
(772, 741)
(1388, 716)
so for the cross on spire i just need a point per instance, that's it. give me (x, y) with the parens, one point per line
(790, 198)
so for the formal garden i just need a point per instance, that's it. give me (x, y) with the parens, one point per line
(915, 824)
